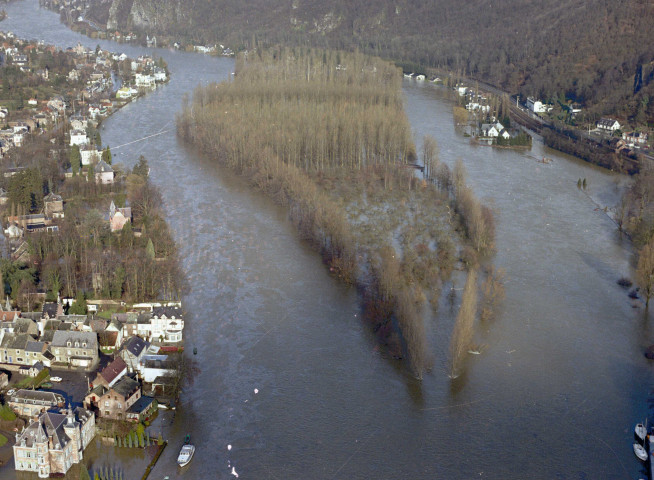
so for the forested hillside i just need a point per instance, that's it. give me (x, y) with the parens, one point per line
(597, 52)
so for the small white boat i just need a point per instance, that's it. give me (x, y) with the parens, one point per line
(186, 454)
(641, 431)
(640, 452)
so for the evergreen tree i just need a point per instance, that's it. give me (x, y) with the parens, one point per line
(106, 155)
(75, 159)
(149, 249)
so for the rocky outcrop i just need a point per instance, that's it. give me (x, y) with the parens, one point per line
(159, 15)
(119, 14)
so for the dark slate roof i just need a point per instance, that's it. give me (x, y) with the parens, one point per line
(47, 336)
(141, 404)
(52, 324)
(135, 345)
(102, 167)
(169, 312)
(34, 346)
(50, 309)
(126, 387)
(22, 325)
(16, 341)
(61, 339)
(32, 396)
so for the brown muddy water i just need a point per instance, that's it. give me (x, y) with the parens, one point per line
(555, 393)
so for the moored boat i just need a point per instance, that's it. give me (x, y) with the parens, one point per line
(640, 431)
(185, 455)
(640, 452)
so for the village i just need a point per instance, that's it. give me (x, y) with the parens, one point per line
(91, 326)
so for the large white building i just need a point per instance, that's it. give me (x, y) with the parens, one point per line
(163, 325)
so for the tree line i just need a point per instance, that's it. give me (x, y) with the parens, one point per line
(325, 134)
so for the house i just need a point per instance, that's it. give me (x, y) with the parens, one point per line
(12, 348)
(124, 92)
(29, 403)
(159, 74)
(132, 352)
(536, 106)
(143, 80)
(50, 311)
(13, 231)
(153, 366)
(118, 217)
(608, 124)
(78, 137)
(53, 442)
(53, 206)
(489, 130)
(4, 380)
(504, 133)
(115, 401)
(104, 174)
(89, 154)
(33, 370)
(635, 138)
(75, 349)
(110, 374)
(163, 325)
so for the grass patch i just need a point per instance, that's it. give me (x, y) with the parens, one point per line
(7, 414)
(3, 440)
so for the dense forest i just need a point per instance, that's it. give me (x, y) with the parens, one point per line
(595, 52)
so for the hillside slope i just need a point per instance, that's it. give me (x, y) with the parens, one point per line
(586, 50)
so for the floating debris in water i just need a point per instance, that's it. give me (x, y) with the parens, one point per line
(256, 390)
(229, 447)
(234, 472)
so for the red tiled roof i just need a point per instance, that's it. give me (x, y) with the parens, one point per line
(114, 369)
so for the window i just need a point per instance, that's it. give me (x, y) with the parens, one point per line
(120, 406)
(106, 403)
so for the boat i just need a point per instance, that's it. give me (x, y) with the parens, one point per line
(641, 431)
(186, 454)
(640, 452)
(187, 439)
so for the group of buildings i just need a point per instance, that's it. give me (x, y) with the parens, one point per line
(131, 344)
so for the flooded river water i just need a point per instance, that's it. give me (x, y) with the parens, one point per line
(555, 394)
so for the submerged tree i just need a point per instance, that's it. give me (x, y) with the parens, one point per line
(645, 271)
(464, 325)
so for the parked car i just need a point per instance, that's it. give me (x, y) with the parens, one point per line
(56, 379)
(11, 392)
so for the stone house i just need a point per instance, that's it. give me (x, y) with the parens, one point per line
(53, 206)
(75, 349)
(54, 442)
(13, 348)
(104, 174)
(114, 402)
(30, 403)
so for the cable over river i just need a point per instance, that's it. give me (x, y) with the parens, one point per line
(555, 393)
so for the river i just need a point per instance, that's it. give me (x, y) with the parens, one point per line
(555, 394)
